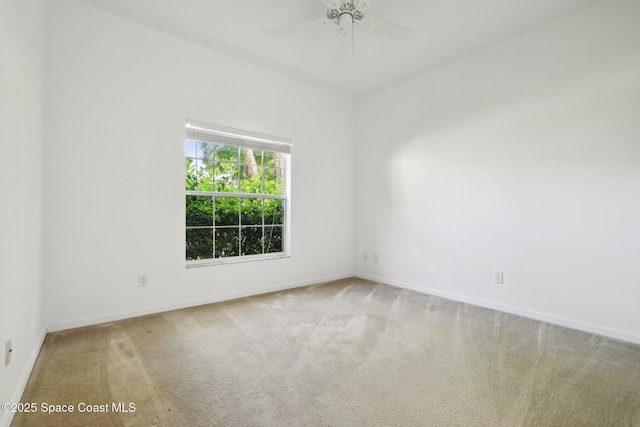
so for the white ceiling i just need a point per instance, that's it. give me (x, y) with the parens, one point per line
(447, 29)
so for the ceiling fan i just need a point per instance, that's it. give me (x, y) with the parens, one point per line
(346, 15)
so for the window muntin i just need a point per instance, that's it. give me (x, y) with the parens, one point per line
(236, 198)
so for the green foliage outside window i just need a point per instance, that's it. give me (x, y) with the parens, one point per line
(249, 221)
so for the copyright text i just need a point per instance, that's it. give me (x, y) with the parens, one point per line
(80, 407)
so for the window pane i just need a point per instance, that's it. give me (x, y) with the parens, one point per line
(251, 211)
(190, 148)
(273, 211)
(199, 211)
(227, 154)
(191, 177)
(272, 159)
(227, 211)
(272, 180)
(257, 155)
(251, 239)
(272, 239)
(249, 159)
(227, 242)
(202, 170)
(251, 180)
(205, 175)
(226, 177)
(199, 243)
(206, 151)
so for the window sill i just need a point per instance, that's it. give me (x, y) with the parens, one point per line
(234, 260)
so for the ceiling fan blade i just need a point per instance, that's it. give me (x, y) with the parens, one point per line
(341, 46)
(388, 30)
(332, 4)
(365, 4)
(303, 27)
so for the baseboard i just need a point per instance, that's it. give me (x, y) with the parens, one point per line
(531, 314)
(24, 378)
(112, 317)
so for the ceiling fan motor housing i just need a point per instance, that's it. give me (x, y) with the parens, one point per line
(345, 15)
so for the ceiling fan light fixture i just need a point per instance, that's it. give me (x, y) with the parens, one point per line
(345, 21)
(345, 15)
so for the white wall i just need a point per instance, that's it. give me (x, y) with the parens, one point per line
(523, 157)
(21, 193)
(117, 97)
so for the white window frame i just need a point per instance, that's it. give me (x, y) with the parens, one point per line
(224, 135)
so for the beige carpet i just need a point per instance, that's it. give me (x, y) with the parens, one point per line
(346, 353)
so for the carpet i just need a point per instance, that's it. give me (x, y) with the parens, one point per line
(344, 353)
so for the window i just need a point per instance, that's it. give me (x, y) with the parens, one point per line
(237, 195)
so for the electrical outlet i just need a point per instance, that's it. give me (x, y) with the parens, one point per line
(8, 349)
(497, 276)
(143, 280)
(376, 259)
(365, 257)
